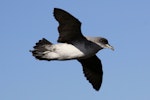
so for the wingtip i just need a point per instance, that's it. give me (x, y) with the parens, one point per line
(97, 88)
(57, 9)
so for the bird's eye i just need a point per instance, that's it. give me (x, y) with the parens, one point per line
(104, 41)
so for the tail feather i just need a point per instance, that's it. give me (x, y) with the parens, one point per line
(40, 49)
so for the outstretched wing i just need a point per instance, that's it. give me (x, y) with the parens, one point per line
(69, 31)
(69, 27)
(92, 69)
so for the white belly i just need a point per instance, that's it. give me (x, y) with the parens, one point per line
(64, 51)
(67, 51)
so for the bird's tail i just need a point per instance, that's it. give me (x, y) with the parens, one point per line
(40, 49)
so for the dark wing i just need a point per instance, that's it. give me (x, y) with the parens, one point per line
(69, 27)
(92, 69)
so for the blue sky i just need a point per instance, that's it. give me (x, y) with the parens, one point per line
(126, 24)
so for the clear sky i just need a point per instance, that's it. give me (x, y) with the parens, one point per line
(126, 24)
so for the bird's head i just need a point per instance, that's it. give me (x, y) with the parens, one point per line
(102, 42)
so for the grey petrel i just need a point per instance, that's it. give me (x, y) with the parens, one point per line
(73, 45)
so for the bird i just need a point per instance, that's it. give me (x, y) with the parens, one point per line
(73, 45)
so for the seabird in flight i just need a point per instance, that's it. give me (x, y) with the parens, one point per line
(73, 45)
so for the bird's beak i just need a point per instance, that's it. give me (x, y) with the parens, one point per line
(109, 47)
